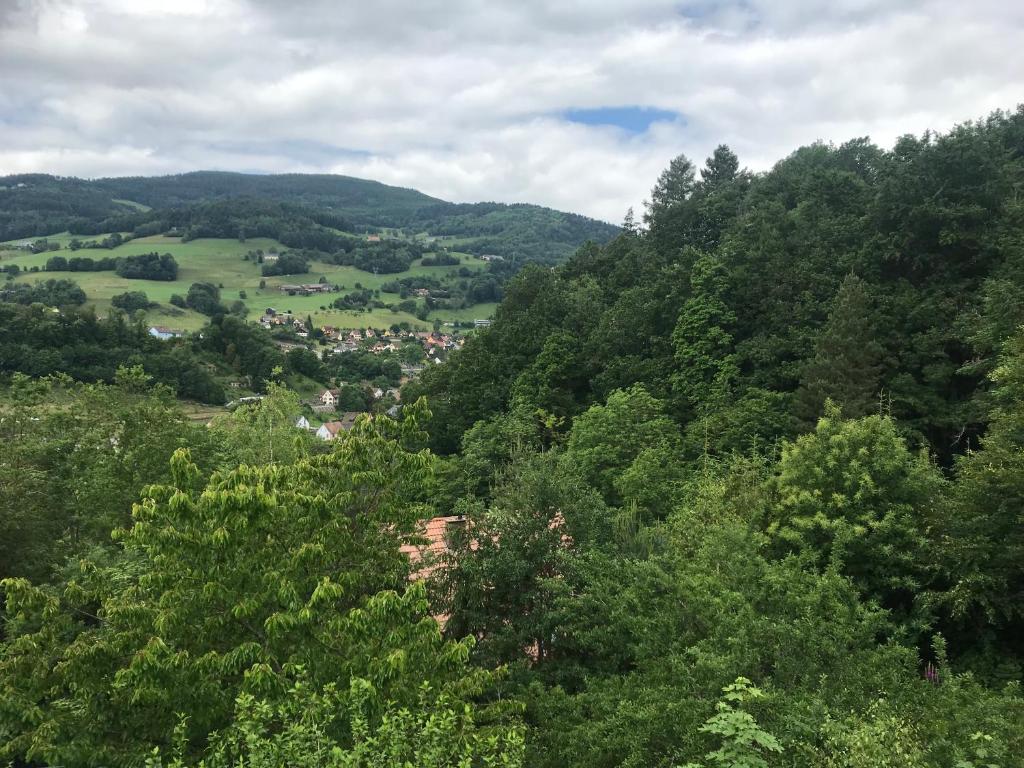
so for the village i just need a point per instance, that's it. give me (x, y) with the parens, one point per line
(401, 351)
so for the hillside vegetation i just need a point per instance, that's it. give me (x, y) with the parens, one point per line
(299, 210)
(741, 488)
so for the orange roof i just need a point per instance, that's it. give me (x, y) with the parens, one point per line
(334, 427)
(435, 531)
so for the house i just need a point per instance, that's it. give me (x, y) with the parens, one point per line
(330, 397)
(164, 333)
(331, 429)
(378, 393)
(433, 537)
(491, 257)
(302, 423)
(482, 323)
(373, 238)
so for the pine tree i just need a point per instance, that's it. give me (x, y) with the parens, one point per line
(846, 366)
(719, 169)
(674, 186)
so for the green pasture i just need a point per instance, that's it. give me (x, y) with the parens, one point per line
(221, 262)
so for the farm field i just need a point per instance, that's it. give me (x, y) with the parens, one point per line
(220, 261)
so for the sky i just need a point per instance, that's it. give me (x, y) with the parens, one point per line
(576, 104)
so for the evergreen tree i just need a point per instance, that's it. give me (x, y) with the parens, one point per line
(719, 169)
(702, 341)
(674, 186)
(846, 367)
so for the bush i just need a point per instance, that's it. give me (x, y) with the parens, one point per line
(204, 298)
(131, 301)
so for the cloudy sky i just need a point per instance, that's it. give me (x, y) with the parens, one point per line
(575, 104)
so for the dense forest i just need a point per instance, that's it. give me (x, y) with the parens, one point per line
(38, 341)
(742, 487)
(301, 211)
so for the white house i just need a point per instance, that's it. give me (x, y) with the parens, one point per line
(329, 430)
(330, 397)
(302, 423)
(164, 333)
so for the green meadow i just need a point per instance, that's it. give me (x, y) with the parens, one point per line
(221, 262)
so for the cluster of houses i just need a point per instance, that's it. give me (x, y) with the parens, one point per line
(434, 344)
(330, 430)
(330, 398)
(306, 289)
(271, 318)
(328, 402)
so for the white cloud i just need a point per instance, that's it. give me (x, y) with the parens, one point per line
(464, 100)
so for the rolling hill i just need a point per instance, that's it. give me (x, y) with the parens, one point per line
(231, 204)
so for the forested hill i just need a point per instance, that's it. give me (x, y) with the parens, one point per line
(882, 279)
(310, 207)
(653, 540)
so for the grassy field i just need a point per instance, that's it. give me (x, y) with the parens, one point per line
(221, 262)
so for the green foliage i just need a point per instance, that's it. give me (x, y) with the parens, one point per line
(204, 298)
(847, 362)
(181, 623)
(73, 459)
(744, 743)
(982, 530)
(640, 506)
(703, 341)
(148, 266)
(607, 439)
(38, 342)
(287, 263)
(261, 433)
(132, 301)
(436, 733)
(856, 500)
(53, 293)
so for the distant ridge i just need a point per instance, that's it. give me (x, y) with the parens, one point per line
(35, 205)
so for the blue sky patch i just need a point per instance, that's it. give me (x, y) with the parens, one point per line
(632, 119)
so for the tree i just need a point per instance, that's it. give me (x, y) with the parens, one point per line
(131, 301)
(744, 743)
(148, 266)
(607, 439)
(181, 623)
(499, 583)
(854, 499)
(56, 264)
(703, 341)
(204, 298)
(847, 362)
(674, 186)
(73, 460)
(982, 532)
(263, 432)
(719, 169)
(437, 732)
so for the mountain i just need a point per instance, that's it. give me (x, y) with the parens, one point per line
(234, 204)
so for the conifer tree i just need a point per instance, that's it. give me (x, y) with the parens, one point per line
(703, 340)
(846, 367)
